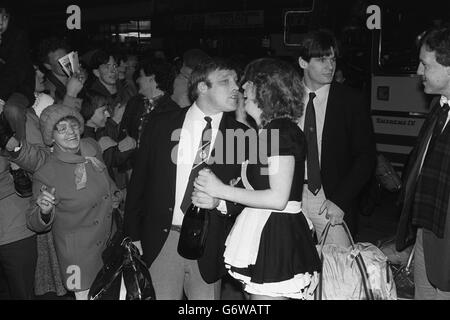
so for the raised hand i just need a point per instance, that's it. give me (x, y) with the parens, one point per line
(46, 200)
(75, 84)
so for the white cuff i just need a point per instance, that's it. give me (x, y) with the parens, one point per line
(222, 207)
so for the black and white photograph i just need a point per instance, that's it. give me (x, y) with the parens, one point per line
(221, 153)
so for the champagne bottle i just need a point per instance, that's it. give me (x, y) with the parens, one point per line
(193, 232)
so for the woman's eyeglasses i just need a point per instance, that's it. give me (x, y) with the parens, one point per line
(64, 128)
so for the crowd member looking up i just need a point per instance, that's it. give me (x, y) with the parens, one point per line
(341, 147)
(425, 218)
(191, 59)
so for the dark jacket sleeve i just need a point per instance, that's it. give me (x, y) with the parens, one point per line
(14, 71)
(114, 158)
(135, 201)
(363, 155)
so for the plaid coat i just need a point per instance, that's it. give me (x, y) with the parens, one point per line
(412, 199)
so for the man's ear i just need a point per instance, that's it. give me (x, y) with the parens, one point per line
(302, 63)
(47, 66)
(202, 87)
(96, 73)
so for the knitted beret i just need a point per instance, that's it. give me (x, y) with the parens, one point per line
(52, 115)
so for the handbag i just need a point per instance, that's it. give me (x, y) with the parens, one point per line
(386, 174)
(357, 272)
(124, 274)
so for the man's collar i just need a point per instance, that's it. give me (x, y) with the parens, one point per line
(319, 92)
(444, 100)
(198, 114)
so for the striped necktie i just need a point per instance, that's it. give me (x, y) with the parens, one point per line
(199, 163)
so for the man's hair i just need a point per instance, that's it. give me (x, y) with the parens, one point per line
(8, 7)
(91, 102)
(316, 44)
(278, 86)
(438, 40)
(49, 45)
(193, 57)
(98, 58)
(163, 71)
(202, 71)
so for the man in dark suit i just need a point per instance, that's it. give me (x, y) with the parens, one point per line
(426, 193)
(341, 149)
(162, 181)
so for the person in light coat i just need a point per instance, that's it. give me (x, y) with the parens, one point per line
(73, 195)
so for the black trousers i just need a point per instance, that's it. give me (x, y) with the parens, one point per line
(18, 264)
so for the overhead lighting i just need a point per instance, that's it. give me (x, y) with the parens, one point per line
(136, 34)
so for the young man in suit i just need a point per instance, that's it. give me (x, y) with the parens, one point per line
(341, 149)
(161, 185)
(426, 193)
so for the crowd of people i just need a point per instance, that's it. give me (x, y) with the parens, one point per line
(76, 147)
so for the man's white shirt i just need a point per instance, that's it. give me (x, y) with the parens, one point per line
(320, 107)
(191, 134)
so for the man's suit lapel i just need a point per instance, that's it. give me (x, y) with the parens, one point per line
(331, 114)
(175, 124)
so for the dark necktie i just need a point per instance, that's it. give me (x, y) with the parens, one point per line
(312, 157)
(199, 163)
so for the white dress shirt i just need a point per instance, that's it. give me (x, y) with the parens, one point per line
(191, 134)
(320, 107)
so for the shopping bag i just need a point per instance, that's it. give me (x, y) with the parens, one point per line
(358, 272)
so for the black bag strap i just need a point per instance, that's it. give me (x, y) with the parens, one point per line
(358, 258)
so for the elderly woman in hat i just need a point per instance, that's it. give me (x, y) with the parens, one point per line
(73, 195)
